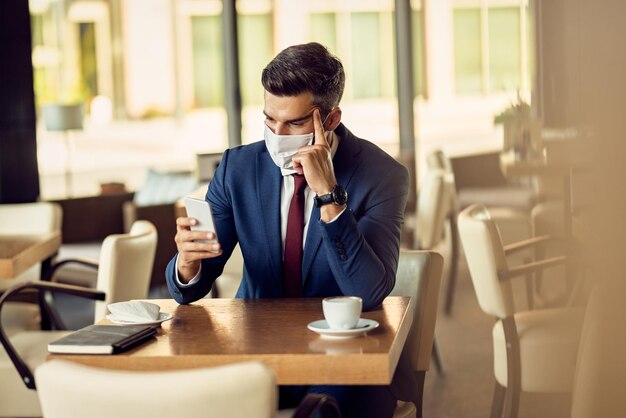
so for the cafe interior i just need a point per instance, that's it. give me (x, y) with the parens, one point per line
(508, 299)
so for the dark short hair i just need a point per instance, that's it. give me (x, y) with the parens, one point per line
(306, 68)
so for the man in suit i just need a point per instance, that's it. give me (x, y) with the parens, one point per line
(350, 196)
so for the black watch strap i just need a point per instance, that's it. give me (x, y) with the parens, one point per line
(337, 196)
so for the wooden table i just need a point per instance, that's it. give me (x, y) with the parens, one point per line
(20, 252)
(213, 332)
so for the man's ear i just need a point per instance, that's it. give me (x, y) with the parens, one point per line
(333, 119)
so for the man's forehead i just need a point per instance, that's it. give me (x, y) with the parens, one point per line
(288, 107)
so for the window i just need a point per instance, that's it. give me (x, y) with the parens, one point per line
(208, 61)
(366, 56)
(365, 40)
(255, 51)
(324, 31)
(504, 48)
(418, 53)
(88, 59)
(490, 46)
(467, 51)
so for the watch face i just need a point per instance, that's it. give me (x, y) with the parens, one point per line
(340, 196)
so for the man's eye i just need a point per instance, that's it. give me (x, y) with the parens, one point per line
(296, 123)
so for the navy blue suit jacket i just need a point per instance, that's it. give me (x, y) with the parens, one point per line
(355, 255)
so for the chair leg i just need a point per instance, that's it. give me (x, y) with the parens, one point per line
(513, 368)
(437, 357)
(497, 402)
(530, 288)
(421, 375)
(511, 404)
(454, 260)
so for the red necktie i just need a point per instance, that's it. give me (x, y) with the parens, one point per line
(292, 270)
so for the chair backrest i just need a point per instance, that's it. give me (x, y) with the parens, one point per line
(485, 258)
(439, 160)
(30, 218)
(431, 210)
(231, 391)
(419, 276)
(126, 262)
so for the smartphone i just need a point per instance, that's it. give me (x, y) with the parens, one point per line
(201, 211)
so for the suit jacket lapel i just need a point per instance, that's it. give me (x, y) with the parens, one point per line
(268, 180)
(344, 163)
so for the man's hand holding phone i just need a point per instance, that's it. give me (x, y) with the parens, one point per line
(195, 238)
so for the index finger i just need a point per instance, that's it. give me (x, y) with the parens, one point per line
(186, 222)
(318, 126)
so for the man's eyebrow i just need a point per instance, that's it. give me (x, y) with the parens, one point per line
(300, 119)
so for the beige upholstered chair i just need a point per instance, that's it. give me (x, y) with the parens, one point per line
(231, 391)
(236, 390)
(534, 351)
(227, 284)
(24, 351)
(125, 265)
(124, 272)
(26, 218)
(419, 276)
(433, 208)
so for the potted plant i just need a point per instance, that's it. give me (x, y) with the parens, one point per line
(516, 124)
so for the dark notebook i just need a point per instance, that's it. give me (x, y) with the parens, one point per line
(102, 339)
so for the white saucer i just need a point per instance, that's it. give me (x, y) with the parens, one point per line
(163, 316)
(362, 328)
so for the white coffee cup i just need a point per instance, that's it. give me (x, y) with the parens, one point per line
(342, 312)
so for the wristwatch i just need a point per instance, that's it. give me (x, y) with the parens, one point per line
(338, 196)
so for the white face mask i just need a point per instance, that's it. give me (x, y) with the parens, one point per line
(282, 148)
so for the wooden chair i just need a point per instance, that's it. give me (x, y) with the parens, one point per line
(419, 276)
(231, 391)
(534, 350)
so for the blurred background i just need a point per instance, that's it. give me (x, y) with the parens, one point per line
(151, 77)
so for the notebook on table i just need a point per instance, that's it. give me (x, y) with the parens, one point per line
(102, 339)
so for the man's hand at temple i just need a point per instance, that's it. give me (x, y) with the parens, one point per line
(315, 162)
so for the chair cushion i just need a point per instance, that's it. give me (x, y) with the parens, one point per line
(548, 348)
(160, 188)
(77, 274)
(16, 399)
(18, 316)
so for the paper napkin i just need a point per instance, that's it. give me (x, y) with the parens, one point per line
(134, 311)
